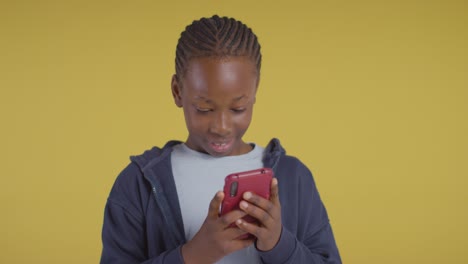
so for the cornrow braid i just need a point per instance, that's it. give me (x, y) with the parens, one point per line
(216, 37)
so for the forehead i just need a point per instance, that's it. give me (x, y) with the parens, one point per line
(227, 76)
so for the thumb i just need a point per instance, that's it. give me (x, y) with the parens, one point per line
(213, 210)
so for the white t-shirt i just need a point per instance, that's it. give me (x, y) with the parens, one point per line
(198, 177)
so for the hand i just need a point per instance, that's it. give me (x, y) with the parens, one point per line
(268, 213)
(215, 239)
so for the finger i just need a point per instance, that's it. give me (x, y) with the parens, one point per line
(215, 203)
(259, 201)
(261, 215)
(250, 228)
(274, 192)
(231, 217)
(266, 239)
(233, 233)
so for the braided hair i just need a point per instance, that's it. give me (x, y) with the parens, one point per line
(216, 37)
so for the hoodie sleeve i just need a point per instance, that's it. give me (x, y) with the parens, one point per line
(123, 239)
(124, 236)
(307, 235)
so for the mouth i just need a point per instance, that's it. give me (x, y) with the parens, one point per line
(221, 147)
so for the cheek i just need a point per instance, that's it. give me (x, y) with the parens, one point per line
(243, 121)
(194, 122)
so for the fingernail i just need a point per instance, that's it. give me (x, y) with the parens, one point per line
(247, 195)
(239, 221)
(243, 205)
(275, 181)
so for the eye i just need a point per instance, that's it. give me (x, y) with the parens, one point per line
(203, 110)
(238, 110)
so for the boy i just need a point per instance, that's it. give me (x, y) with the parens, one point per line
(157, 209)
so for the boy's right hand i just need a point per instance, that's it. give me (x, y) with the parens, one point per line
(215, 239)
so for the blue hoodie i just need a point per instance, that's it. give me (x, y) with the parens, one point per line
(143, 221)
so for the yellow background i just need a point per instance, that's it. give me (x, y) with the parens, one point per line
(371, 95)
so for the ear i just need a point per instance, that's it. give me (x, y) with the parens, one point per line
(176, 92)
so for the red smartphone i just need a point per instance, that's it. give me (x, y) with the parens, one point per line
(236, 184)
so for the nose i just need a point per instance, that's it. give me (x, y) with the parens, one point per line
(221, 124)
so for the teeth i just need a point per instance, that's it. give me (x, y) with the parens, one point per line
(220, 144)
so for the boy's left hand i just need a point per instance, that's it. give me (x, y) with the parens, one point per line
(268, 213)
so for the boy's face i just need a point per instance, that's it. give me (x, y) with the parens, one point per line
(217, 96)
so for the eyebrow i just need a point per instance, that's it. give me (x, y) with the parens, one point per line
(210, 101)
